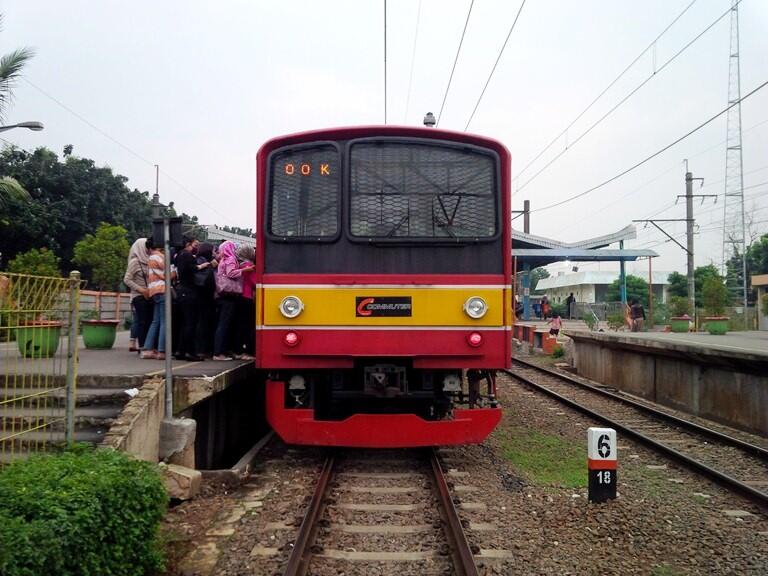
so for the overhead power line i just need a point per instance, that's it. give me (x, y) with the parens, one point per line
(496, 64)
(413, 63)
(621, 102)
(121, 145)
(455, 60)
(660, 151)
(613, 82)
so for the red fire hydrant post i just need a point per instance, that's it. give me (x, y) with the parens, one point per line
(601, 464)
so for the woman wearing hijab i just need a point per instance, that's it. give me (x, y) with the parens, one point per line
(246, 339)
(229, 289)
(136, 278)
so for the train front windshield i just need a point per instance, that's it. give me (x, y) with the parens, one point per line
(393, 190)
(419, 191)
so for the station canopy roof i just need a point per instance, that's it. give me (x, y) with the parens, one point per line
(539, 251)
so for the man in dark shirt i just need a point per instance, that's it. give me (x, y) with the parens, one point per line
(186, 298)
(568, 301)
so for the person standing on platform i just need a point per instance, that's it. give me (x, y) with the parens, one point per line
(137, 279)
(544, 307)
(246, 256)
(638, 315)
(568, 306)
(186, 297)
(205, 284)
(229, 288)
(154, 345)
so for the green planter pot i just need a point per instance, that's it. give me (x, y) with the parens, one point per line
(99, 334)
(679, 324)
(717, 325)
(39, 339)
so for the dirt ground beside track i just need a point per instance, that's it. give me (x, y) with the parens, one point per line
(666, 521)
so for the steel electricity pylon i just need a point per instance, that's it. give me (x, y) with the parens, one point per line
(734, 227)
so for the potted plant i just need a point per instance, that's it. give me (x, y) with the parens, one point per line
(30, 298)
(715, 298)
(104, 253)
(680, 308)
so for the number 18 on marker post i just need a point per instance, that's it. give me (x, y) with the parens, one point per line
(601, 462)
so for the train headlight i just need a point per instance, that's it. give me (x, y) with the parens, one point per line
(475, 307)
(291, 306)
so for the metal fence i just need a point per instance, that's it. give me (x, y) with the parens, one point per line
(38, 361)
(602, 310)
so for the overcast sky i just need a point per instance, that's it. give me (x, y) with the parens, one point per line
(198, 86)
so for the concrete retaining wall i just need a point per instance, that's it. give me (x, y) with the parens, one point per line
(137, 429)
(712, 387)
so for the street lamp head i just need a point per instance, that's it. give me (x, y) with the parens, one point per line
(34, 125)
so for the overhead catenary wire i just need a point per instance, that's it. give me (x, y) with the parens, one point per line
(652, 156)
(624, 100)
(674, 166)
(121, 145)
(501, 52)
(610, 85)
(455, 60)
(413, 62)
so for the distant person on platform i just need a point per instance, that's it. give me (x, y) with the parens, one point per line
(568, 301)
(637, 313)
(137, 279)
(545, 307)
(154, 345)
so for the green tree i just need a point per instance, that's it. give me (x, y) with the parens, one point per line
(42, 262)
(678, 285)
(536, 275)
(757, 256)
(700, 276)
(11, 65)
(104, 253)
(637, 288)
(69, 198)
(714, 296)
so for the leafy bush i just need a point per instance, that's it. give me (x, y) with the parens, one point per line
(40, 262)
(558, 309)
(558, 352)
(679, 306)
(589, 320)
(615, 321)
(104, 253)
(715, 296)
(83, 512)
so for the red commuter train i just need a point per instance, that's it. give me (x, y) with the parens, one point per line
(384, 302)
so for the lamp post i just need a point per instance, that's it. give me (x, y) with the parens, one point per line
(34, 126)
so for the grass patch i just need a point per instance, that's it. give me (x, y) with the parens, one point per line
(546, 459)
(664, 570)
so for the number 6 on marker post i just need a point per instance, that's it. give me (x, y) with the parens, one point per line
(601, 463)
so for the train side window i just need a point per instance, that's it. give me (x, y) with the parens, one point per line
(304, 193)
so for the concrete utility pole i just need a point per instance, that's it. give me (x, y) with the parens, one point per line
(689, 236)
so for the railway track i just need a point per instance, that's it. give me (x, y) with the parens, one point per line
(400, 508)
(736, 464)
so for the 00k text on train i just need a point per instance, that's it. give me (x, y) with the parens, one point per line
(384, 297)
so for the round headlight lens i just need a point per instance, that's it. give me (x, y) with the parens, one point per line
(291, 306)
(475, 307)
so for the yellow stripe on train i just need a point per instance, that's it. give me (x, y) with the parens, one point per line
(372, 306)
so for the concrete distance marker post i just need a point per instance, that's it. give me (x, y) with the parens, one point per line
(602, 464)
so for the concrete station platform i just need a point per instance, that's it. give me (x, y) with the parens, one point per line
(722, 378)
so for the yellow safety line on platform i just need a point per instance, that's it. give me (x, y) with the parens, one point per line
(158, 372)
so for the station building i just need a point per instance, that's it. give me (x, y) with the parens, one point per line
(591, 287)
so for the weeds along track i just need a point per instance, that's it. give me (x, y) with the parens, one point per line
(734, 463)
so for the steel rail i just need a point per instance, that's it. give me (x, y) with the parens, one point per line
(753, 449)
(724, 479)
(464, 560)
(298, 562)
